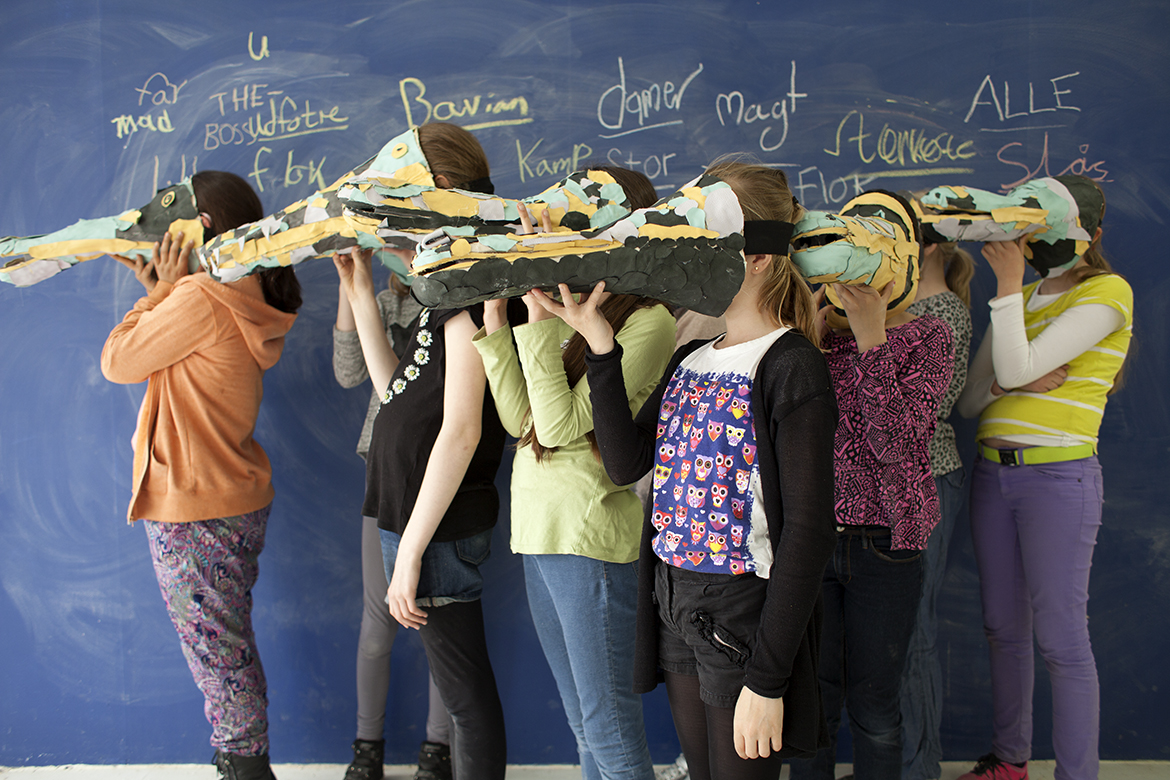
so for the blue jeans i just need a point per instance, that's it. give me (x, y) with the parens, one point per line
(871, 598)
(449, 588)
(584, 611)
(922, 692)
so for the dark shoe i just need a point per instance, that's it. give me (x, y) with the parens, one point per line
(434, 762)
(233, 766)
(990, 767)
(368, 755)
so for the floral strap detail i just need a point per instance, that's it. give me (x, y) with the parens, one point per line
(420, 357)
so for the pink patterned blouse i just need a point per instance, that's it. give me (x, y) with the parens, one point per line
(888, 397)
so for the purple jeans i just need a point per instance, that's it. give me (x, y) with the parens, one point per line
(1034, 529)
(206, 571)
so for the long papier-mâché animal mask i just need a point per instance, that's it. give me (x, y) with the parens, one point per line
(26, 261)
(873, 241)
(685, 250)
(1058, 214)
(391, 199)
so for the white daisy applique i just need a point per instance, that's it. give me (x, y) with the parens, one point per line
(420, 357)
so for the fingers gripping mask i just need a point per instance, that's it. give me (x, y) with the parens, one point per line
(873, 241)
(1058, 214)
(685, 250)
(26, 261)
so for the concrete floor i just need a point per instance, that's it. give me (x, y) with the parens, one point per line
(1037, 770)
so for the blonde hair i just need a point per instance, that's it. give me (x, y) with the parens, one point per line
(453, 152)
(960, 269)
(763, 194)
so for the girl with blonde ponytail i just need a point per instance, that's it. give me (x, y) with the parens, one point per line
(739, 432)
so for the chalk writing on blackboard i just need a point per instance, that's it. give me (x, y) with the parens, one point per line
(897, 147)
(258, 55)
(294, 174)
(279, 117)
(413, 92)
(161, 92)
(653, 165)
(1081, 166)
(643, 104)
(532, 167)
(1004, 109)
(741, 112)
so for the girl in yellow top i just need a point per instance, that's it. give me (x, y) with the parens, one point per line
(577, 530)
(1040, 380)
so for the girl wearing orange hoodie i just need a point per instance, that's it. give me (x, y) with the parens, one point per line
(200, 482)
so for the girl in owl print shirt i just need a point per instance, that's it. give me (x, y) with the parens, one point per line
(703, 474)
(739, 437)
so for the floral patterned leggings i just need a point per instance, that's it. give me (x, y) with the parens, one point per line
(206, 571)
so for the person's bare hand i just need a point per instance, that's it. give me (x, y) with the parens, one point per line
(758, 724)
(400, 596)
(170, 258)
(1007, 260)
(583, 316)
(1047, 383)
(143, 270)
(355, 270)
(866, 309)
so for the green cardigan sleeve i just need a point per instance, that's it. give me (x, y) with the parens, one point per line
(562, 414)
(505, 378)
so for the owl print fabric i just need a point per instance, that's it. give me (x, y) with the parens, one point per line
(706, 476)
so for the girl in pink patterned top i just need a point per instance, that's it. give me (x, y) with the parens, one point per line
(889, 376)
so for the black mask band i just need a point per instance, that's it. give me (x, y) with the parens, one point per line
(483, 186)
(767, 237)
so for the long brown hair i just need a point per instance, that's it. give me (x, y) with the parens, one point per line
(616, 309)
(453, 152)
(763, 194)
(229, 202)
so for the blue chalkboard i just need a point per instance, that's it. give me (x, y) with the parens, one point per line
(105, 102)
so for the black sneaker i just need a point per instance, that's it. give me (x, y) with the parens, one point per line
(368, 755)
(233, 766)
(434, 762)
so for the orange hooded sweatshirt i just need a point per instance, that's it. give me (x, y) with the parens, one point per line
(204, 347)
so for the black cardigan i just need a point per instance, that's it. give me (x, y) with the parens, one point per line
(793, 394)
